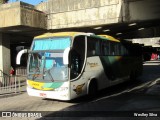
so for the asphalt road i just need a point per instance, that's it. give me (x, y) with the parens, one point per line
(125, 101)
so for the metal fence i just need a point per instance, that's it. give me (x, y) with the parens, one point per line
(11, 84)
(22, 71)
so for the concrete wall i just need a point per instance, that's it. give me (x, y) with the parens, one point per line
(21, 14)
(80, 13)
(154, 42)
(137, 10)
(33, 18)
(5, 62)
(10, 15)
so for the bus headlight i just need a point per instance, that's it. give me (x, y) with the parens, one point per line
(29, 85)
(61, 89)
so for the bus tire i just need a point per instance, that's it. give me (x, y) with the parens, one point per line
(93, 88)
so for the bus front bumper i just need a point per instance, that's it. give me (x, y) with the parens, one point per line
(59, 95)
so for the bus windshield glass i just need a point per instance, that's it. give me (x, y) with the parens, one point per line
(46, 60)
(56, 43)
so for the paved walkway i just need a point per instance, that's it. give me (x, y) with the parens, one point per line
(23, 102)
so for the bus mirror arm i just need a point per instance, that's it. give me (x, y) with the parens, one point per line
(66, 56)
(19, 55)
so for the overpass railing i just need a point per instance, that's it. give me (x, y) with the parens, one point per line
(11, 84)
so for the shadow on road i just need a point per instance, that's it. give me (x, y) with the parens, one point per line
(122, 105)
(120, 100)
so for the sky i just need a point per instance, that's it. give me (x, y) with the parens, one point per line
(33, 2)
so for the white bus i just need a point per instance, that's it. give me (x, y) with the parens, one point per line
(68, 65)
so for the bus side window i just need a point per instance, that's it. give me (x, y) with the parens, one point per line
(93, 47)
(75, 63)
(112, 50)
(106, 48)
(124, 50)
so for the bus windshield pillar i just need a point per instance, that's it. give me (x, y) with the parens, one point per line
(66, 56)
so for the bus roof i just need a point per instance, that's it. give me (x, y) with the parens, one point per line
(72, 34)
(45, 35)
(109, 38)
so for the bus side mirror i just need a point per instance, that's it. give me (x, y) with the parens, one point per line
(66, 56)
(19, 55)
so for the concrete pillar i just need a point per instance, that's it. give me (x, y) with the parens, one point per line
(5, 60)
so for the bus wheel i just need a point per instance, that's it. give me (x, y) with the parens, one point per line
(92, 88)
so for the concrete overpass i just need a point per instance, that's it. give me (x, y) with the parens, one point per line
(120, 18)
(19, 22)
(113, 16)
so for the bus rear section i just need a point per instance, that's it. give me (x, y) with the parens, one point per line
(106, 62)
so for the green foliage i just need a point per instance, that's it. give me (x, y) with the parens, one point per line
(3, 1)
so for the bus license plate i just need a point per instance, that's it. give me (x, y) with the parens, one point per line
(42, 94)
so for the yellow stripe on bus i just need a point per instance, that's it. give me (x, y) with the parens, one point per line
(110, 38)
(38, 85)
(61, 34)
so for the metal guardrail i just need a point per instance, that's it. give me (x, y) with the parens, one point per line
(12, 84)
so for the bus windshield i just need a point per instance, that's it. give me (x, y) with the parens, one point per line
(46, 60)
(55, 43)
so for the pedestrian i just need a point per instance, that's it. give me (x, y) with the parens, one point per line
(11, 71)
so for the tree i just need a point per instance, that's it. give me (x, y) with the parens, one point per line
(3, 1)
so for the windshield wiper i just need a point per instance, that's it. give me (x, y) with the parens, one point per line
(51, 75)
(49, 72)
